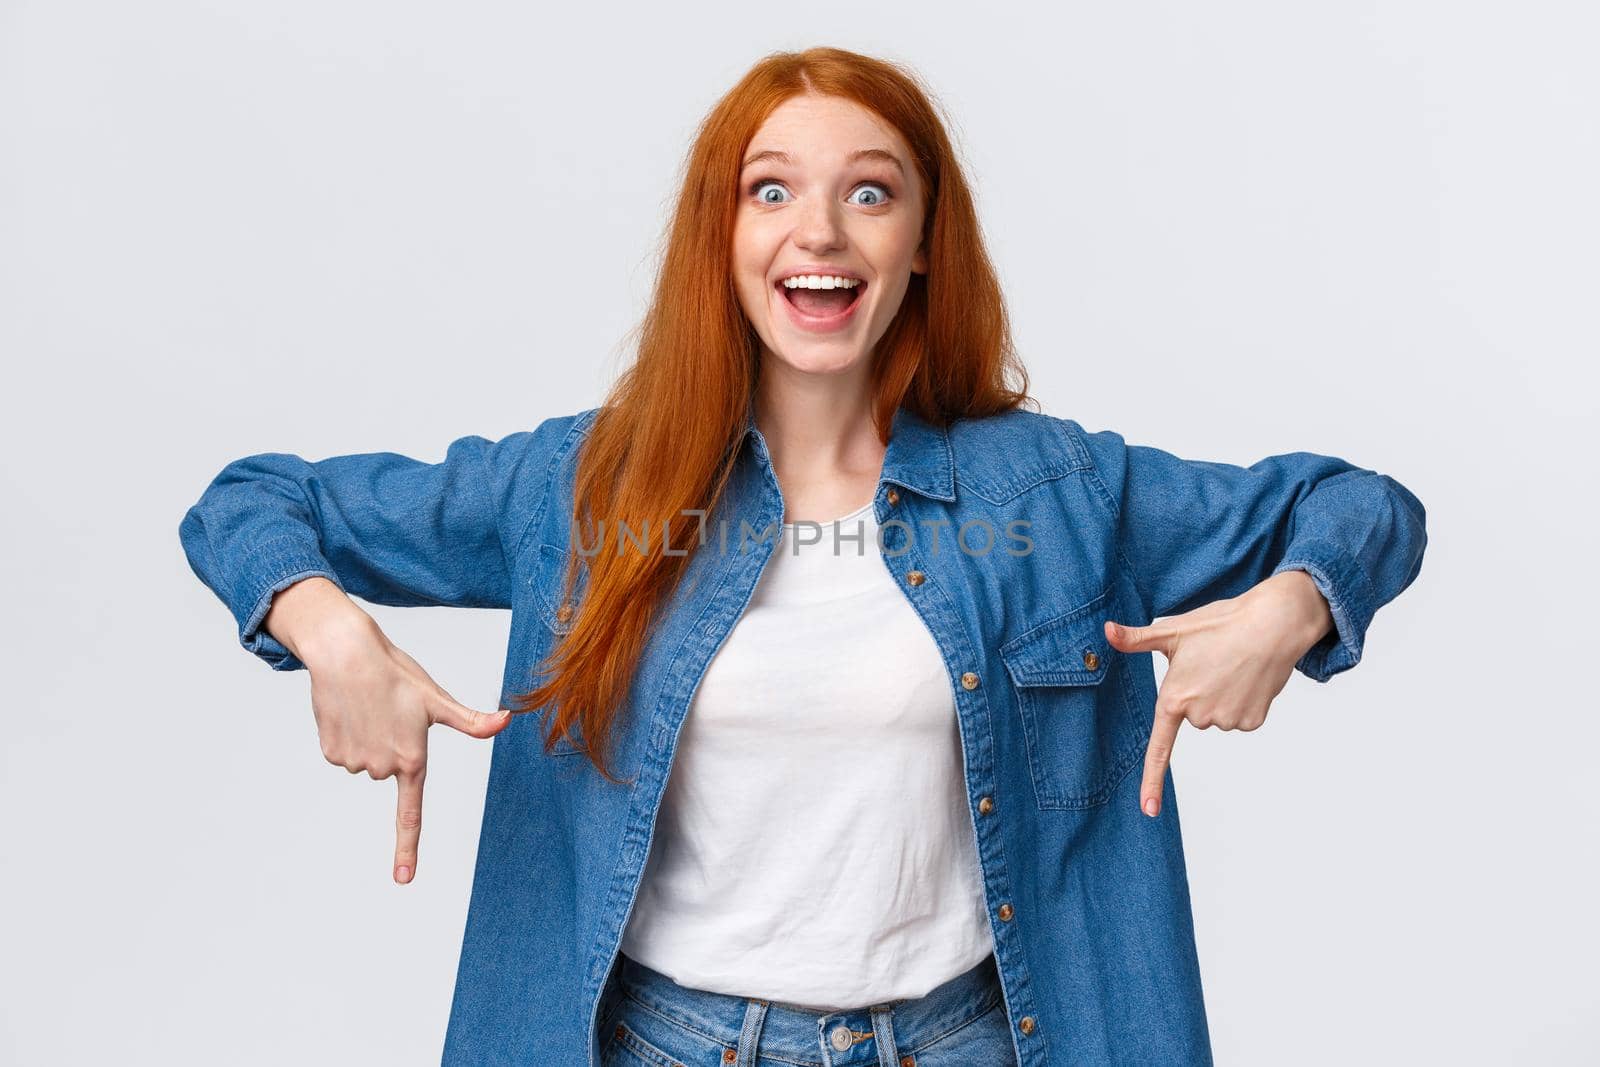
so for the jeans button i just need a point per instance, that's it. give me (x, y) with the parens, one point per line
(841, 1038)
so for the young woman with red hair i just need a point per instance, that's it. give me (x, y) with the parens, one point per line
(868, 640)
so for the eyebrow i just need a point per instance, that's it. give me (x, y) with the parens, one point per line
(775, 156)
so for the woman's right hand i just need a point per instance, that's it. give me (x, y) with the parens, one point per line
(373, 703)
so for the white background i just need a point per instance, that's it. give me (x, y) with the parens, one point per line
(1229, 230)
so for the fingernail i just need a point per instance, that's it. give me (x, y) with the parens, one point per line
(403, 874)
(1150, 806)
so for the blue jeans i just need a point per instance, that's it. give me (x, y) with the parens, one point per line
(647, 1018)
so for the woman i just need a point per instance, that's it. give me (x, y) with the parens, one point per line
(876, 800)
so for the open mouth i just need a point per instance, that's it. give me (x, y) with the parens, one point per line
(822, 303)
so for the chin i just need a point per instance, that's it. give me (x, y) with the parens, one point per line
(819, 357)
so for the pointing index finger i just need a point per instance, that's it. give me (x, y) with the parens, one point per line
(408, 824)
(1163, 735)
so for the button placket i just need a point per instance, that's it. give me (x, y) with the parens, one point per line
(969, 681)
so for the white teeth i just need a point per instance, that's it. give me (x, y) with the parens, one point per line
(820, 281)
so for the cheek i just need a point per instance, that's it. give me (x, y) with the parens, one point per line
(750, 288)
(750, 263)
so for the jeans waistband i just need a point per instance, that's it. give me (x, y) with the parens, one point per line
(793, 1031)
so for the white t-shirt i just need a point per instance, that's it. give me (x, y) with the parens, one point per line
(813, 845)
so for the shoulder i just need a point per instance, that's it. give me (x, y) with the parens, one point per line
(563, 431)
(538, 469)
(999, 456)
(525, 458)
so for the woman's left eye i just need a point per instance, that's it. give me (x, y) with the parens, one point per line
(877, 199)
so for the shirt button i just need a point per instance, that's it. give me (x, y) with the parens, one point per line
(915, 577)
(985, 805)
(564, 612)
(1090, 660)
(969, 681)
(893, 497)
(841, 1037)
(1006, 913)
(1026, 1024)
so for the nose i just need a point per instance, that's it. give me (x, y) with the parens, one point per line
(818, 229)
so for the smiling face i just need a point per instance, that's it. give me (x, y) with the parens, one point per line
(828, 191)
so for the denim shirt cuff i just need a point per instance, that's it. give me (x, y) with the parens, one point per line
(271, 569)
(1349, 594)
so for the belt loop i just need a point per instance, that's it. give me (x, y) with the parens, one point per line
(883, 1030)
(755, 1014)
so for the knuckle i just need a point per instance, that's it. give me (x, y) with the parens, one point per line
(409, 819)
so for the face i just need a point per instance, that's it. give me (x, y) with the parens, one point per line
(827, 189)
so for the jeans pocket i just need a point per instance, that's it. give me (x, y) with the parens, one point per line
(984, 1040)
(639, 1034)
(624, 1047)
(1072, 696)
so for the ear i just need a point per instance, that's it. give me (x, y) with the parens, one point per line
(919, 262)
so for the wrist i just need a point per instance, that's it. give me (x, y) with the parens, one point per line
(1310, 617)
(312, 615)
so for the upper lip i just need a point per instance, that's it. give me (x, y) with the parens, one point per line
(819, 269)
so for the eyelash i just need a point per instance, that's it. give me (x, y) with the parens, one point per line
(759, 182)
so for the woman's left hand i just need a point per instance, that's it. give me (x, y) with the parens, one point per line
(1225, 662)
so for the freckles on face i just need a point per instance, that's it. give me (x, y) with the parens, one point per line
(828, 189)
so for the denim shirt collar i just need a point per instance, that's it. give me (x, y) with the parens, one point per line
(918, 456)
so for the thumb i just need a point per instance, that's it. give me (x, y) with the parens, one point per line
(1137, 638)
(471, 722)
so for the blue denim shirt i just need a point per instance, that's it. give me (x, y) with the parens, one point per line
(1096, 952)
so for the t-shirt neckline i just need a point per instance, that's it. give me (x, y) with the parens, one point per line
(862, 510)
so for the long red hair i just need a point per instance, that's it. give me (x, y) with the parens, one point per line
(662, 440)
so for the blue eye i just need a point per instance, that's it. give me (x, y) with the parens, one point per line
(754, 190)
(880, 199)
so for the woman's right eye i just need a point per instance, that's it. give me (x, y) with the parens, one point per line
(756, 191)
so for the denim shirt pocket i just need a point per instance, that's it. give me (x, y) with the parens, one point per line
(1078, 717)
(557, 616)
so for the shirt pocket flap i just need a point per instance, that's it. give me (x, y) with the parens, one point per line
(559, 614)
(1070, 650)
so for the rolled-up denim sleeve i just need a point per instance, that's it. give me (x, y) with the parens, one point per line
(1194, 531)
(385, 527)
